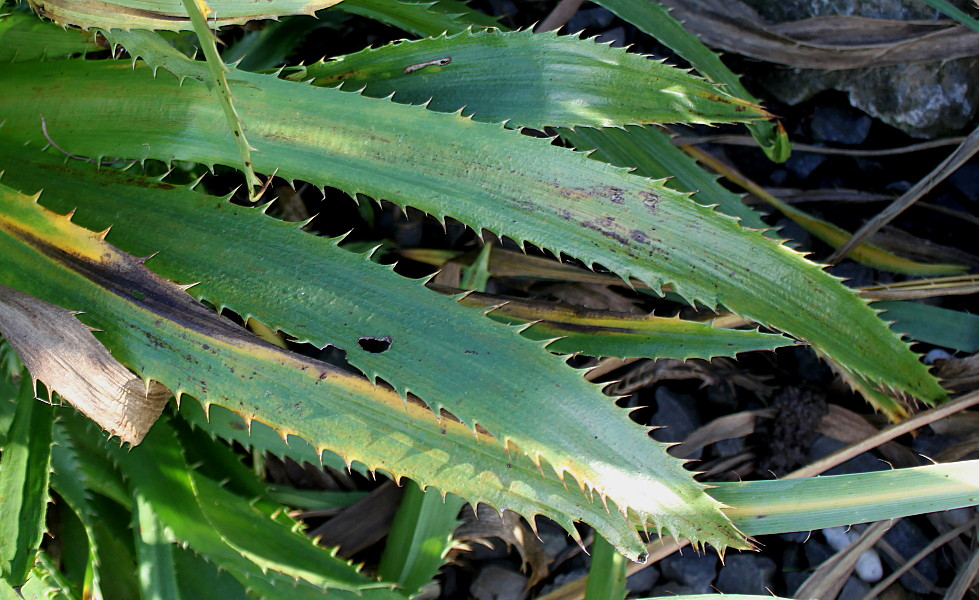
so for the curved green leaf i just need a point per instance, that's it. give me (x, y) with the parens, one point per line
(316, 291)
(652, 18)
(225, 527)
(419, 538)
(600, 333)
(70, 480)
(24, 37)
(483, 175)
(532, 79)
(164, 335)
(168, 15)
(776, 506)
(652, 154)
(424, 18)
(25, 469)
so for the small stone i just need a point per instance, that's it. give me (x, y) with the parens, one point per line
(563, 578)
(817, 553)
(839, 124)
(642, 581)
(680, 589)
(802, 164)
(855, 274)
(797, 237)
(589, 18)
(907, 540)
(936, 354)
(796, 537)
(498, 583)
(747, 574)
(854, 589)
(931, 444)
(554, 539)
(794, 579)
(690, 569)
(863, 463)
(966, 179)
(676, 416)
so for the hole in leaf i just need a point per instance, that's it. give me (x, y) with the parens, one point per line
(375, 345)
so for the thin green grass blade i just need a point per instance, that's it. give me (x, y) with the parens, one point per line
(932, 324)
(600, 333)
(25, 470)
(24, 37)
(954, 12)
(223, 526)
(45, 583)
(112, 529)
(166, 15)
(532, 80)
(483, 175)
(420, 537)
(606, 574)
(199, 12)
(780, 506)
(652, 18)
(420, 18)
(69, 480)
(8, 401)
(314, 499)
(158, 578)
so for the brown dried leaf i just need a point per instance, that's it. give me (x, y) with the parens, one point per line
(60, 351)
(509, 527)
(839, 42)
(363, 523)
(959, 374)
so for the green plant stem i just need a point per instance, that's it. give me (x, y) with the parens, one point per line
(606, 576)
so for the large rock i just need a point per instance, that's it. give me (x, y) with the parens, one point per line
(924, 100)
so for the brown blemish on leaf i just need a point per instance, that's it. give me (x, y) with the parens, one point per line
(606, 228)
(650, 200)
(61, 351)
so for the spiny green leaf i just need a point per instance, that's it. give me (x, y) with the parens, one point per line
(24, 37)
(45, 583)
(483, 175)
(652, 18)
(168, 15)
(932, 324)
(420, 537)
(199, 12)
(225, 527)
(70, 481)
(601, 333)
(168, 337)
(25, 469)
(653, 155)
(762, 507)
(533, 80)
(419, 17)
(197, 574)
